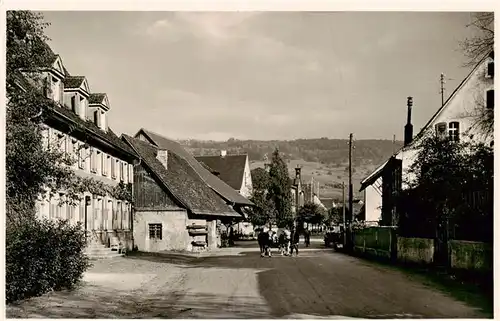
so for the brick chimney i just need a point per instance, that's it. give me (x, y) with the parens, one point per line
(162, 156)
(409, 126)
(223, 153)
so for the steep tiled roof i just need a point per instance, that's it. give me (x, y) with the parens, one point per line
(227, 192)
(230, 167)
(108, 136)
(180, 179)
(73, 81)
(96, 98)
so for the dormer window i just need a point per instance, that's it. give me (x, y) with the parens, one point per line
(56, 89)
(73, 104)
(97, 118)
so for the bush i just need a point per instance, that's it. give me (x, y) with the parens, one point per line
(42, 256)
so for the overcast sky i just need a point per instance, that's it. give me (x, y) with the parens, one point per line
(264, 75)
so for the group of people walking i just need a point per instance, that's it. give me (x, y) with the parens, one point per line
(286, 241)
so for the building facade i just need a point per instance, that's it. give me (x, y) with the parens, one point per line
(77, 126)
(455, 120)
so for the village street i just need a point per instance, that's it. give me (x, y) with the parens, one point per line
(237, 283)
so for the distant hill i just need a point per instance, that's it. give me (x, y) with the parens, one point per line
(324, 159)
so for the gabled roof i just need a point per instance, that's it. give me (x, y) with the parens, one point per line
(76, 82)
(328, 202)
(180, 179)
(450, 98)
(230, 167)
(69, 116)
(97, 98)
(370, 179)
(227, 192)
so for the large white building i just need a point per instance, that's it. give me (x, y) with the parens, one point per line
(77, 124)
(457, 119)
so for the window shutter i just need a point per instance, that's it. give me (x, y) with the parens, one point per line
(130, 173)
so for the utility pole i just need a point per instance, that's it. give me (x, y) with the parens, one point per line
(350, 178)
(350, 216)
(441, 81)
(343, 211)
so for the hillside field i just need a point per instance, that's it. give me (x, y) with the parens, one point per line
(324, 159)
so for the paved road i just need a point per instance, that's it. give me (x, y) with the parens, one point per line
(237, 283)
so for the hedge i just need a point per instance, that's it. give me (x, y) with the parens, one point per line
(42, 256)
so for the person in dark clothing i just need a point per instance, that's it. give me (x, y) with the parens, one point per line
(262, 239)
(307, 238)
(295, 242)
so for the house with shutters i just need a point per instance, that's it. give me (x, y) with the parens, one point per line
(179, 203)
(76, 124)
(456, 120)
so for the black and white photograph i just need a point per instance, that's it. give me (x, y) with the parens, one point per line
(241, 163)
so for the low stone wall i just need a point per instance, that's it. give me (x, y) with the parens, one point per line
(467, 255)
(415, 250)
(375, 241)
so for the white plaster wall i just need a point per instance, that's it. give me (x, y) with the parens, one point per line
(174, 233)
(463, 108)
(373, 202)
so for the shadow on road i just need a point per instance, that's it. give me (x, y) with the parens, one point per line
(98, 302)
(308, 285)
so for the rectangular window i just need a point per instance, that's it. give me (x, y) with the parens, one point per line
(98, 162)
(119, 215)
(491, 69)
(104, 164)
(97, 118)
(81, 158)
(155, 231)
(117, 167)
(490, 99)
(73, 104)
(109, 215)
(441, 130)
(453, 131)
(113, 172)
(122, 174)
(93, 157)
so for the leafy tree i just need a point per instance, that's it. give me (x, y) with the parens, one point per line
(279, 190)
(335, 216)
(41, 255)
(264, 211)
(31, 169)
(311, 213)
(443, 181)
